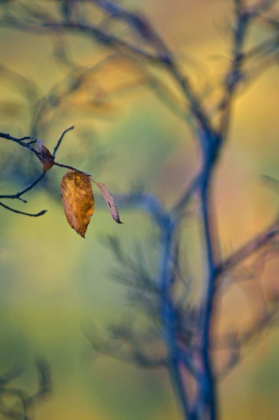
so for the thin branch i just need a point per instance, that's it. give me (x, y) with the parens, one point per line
(23, 401)
(10, 375)
(163, 54)
(133, 355)
(167, 312)
(234, 76)
(137, 22)
(149, 203)
(249, 248)
(187, 196)
(100, 36)
(60, 140)
(22, 212)
(241, 340)
(211, 142)
(263, 48)
(260, 7)
(61, 165)
(19, 194)
(21, 142)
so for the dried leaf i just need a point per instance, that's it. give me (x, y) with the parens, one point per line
(110, 201)
(78, 200)
(47, 160)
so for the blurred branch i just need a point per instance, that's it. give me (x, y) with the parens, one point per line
(185, 332)
(260, 7)
(26, 401)
(236, 342)
(187, 195)
(167, 311)
(240, 30)
(115, 348)
(163, 55)
(249, 248)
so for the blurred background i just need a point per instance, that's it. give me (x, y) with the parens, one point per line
(54, 286)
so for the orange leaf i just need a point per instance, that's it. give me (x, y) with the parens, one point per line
(78, 200)
(110, 201)
(47, 160)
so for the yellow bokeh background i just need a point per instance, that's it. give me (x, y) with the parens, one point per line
(54, 284)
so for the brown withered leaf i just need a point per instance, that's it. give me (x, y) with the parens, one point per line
(110, 201)
(47, 160)
(78, 200)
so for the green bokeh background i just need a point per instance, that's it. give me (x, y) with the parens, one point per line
(53, 284)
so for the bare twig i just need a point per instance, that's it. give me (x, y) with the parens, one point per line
(19, 194)
(60, 140)
(22, 142)
(192, 355)
(22, 212)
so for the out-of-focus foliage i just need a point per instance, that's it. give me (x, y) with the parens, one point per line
(130, 131)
